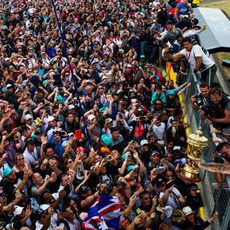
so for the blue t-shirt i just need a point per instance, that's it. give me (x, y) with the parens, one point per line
(182, 9)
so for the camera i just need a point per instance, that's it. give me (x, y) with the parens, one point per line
(199, 101)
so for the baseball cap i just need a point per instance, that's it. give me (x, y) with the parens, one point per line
(91, 117)
(130, 167)
(105, 150)
(50, 118)
(39, 213)
(106, 139)
(193, 187)
(17, 210)
(8, 86)
(71, 106)
(171, 92)
(4, 90)
(7, 171)
(169, 22)
(154, 153)
(27, 117)
(108, 119)
(168, 211)
(65, 144)
(84, 188)
(187, 210)
(144, 142)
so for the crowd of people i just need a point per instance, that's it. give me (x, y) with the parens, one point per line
(87, 109)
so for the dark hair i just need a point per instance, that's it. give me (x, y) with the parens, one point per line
(114, 129)
(221, 145)
(143, 193)
(204, 85)
(213, 91)
(187, 39)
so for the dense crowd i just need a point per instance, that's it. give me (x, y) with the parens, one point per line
(98, 115)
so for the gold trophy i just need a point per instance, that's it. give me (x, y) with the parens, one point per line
(196, 144)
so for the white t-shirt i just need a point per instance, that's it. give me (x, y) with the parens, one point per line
(172, 198)
(73, 226)
(159, 130)
(196, 52)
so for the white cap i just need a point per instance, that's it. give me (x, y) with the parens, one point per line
(8, 86)
(108, 119)
(129, 66)
(27, 117)
(71, 106)
(144, 142)
(50, 118)
(187, 210)
(44, 206)
(133, 100)
(168, 211)
(91, 117)
(17, 210)
(65, 144)
(176, 148)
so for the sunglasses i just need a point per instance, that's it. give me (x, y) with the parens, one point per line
(147, 198)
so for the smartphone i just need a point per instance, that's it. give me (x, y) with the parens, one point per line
(78, 134)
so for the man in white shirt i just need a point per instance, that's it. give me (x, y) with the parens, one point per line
(198, 60)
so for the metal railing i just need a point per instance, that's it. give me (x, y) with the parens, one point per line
(213, 196)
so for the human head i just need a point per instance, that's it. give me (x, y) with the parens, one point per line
(204, 89)
(115, 133)
(187, 43)
(146, 199)
(223, 148)
(215, 95)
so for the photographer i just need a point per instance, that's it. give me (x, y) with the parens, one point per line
(199, 101)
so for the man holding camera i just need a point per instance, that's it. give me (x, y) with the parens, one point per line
(200, 100)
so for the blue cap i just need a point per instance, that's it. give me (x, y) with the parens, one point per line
(4, 90)
(7, 171)
(130, 167)
(106, 139)
(171, 92)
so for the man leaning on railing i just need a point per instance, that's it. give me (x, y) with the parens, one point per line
(197, 59)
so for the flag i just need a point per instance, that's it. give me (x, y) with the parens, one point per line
(103, 214)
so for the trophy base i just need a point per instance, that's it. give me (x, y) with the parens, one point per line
(190, 172)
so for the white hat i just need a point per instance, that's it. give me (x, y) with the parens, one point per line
(71, 106)
(8, 86)
(168, 211)
(144, 142)
(134, 100)
(91, 117)
(17, 210)
(27, 117)
(176, 148)
(50, 118)
(187, 210)
(44, 206)
(65, 144)
(108, 119)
